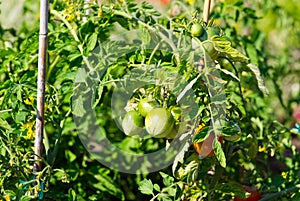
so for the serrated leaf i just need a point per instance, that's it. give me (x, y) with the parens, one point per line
(223, 46)
(146, 187)
(77, 107)
(202, 135)
(167, 179)
(219, 153)
(106, 183)
(171, 191)
(260, 81)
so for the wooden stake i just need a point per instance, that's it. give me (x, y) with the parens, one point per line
(206, 10)
(43, 40)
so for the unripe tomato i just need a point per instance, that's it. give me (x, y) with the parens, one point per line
(159, 122)
(133, 123)
(205, 148)
(232, 138)
(197, 30)
(210, 49)
(211, 31)
(254, 194)
(224, 63)
(145, 106)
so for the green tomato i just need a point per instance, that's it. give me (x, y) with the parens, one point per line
(210, 49)
(145, 107)
(133, 123)
(224, 63)
(159, 122)
(232, 138)
(197, 30)
(211, 31)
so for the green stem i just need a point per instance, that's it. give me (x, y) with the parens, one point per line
(75, 36)
(56, 60)
(240, 86)
(130, 17)
(278, 194)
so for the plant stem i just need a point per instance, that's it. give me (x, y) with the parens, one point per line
(74, 34)
(278, 194)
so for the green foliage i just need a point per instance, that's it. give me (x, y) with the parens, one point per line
(231, 71)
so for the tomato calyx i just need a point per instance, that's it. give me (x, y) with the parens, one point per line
(145, 106)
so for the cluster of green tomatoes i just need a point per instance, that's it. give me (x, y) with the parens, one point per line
(149, 116)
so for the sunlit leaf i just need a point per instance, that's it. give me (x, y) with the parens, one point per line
(146, 187)
(219, 153)
(260, 81)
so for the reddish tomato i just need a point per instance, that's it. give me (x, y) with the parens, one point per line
(205, 148)
(254, 194)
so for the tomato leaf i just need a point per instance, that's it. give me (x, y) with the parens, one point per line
(227, 72)
(156, 187)
(146, 187)
(231, 187)
(230, 131)
(219, 153)
(186, 143)
(252, 53)
(223, 46)
(92, 41)
(260, 81)
(167, 179)
(77, 107)
(106, 183)
(202, 135)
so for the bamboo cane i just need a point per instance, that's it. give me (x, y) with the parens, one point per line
(206, 10)
(43, 38)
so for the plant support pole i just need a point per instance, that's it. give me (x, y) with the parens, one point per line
(206, 10)
(43, 38)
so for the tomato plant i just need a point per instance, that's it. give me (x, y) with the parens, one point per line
(155, 59)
